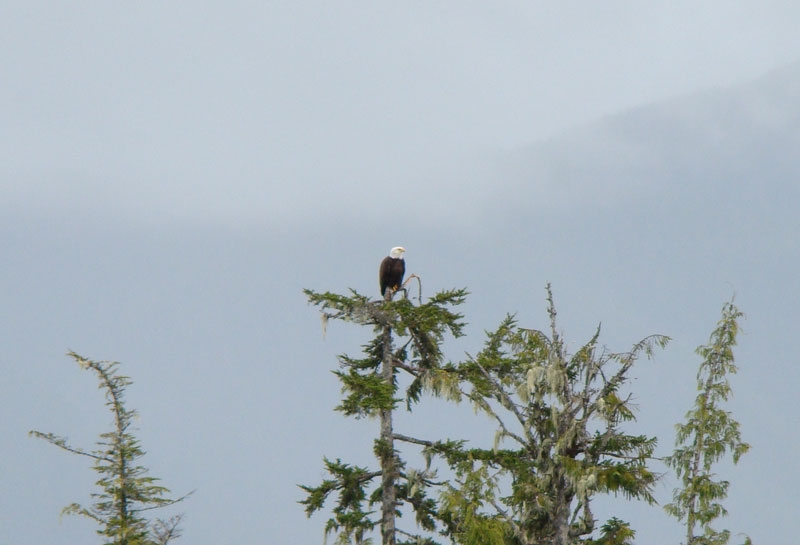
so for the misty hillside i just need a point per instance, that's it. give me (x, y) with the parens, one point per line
(745, 137)
(696, 189)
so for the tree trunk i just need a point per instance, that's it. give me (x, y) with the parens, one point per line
(388, 469)
(561, 518)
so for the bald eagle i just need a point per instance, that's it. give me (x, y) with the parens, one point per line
(393, 267)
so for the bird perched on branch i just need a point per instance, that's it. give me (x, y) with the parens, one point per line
(393, 267)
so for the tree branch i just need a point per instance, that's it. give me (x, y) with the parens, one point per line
(407, 439)
(505, 400)
(61, 443)
(164, 504)
(410, 369)
(508, 518)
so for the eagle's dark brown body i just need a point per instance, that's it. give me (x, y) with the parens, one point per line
(391, 273)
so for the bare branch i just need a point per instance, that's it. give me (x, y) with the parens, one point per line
(61, 443)
(506, 431)
(165, 503)
(410, 369)
(505, 400)
(407, 439)
(507, 518)
(419, 282)
(165, 531)
(403, 532)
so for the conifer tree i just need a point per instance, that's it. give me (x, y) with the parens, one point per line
(126, 490)
(708, 434)
(562, 414)
(407, 341)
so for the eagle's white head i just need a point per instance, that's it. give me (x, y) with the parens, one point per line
(397, 252)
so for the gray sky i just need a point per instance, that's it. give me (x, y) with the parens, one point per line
(172, 175)
(154, 108)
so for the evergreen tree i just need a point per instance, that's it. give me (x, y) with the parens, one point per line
(125, 488)
(708, 434)
(562, 414)
(614, 532)
(407, 341)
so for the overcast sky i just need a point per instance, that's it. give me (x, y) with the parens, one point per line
(172, 174)
(248, 111)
